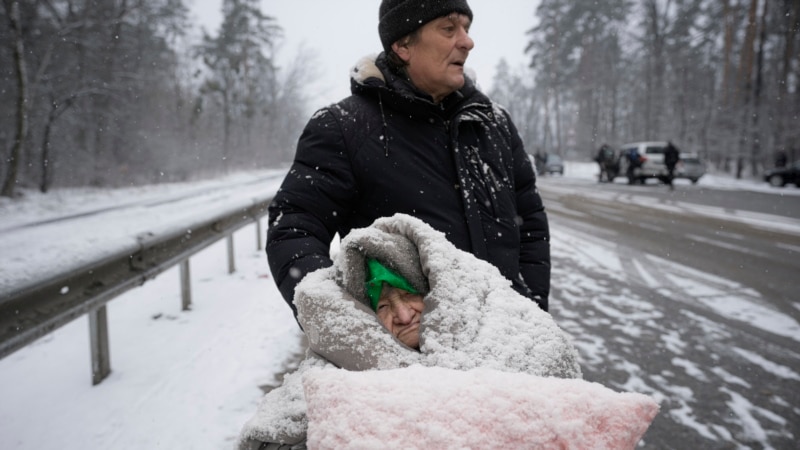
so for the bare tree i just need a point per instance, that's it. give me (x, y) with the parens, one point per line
(240, 65)
(706, 73)
(12, 9)
(744, 92)
(547, 57)
(577, 52)
(755, 154)
(785, 135)
(514, 90)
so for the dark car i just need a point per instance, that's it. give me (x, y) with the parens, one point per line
(547, 164)
(784, 175)
(554, 164)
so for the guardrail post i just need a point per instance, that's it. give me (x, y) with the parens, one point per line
(186, 285)
(231, 261)
(259, 237)
(98, 341)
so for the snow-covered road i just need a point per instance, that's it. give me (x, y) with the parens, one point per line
(191, 379)
(705, 346)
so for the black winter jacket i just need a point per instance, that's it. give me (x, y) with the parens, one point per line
(459, 165)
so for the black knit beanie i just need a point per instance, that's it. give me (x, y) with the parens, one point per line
(398, 18)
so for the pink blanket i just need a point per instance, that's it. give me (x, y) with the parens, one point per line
(430, 407)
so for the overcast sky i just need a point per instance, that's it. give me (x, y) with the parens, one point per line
(342, 31)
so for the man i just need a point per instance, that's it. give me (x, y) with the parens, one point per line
(605, 159)
(780, 159)
(634, 162)
(415, 137)
(671, 158)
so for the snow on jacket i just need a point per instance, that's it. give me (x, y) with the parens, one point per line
(459, 165)
(472, 318)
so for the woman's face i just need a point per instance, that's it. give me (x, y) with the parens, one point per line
(400, 312)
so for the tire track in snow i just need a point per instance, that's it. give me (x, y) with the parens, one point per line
(644, 324)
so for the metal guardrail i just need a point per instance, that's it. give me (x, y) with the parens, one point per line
(39, 308)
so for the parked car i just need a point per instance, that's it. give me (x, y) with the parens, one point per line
(547, 164)
(554, 164)
(690, 166)
(652, 161)
(784, 175)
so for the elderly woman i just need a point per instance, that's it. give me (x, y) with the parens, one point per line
(458, 312)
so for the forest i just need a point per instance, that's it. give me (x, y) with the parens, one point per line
(720, 78)
(118, 92)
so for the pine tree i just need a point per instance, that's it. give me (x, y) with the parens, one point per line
(240, 66)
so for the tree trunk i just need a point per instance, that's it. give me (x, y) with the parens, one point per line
(546, 132)
(46, 162)
(105, 152)
(226, 131)
(786, 110)
(707, 119)
(656, 69)
(745, 73)
(727, 82)
(559, 133)
(14, 21)
(745, 85)
(755, 155)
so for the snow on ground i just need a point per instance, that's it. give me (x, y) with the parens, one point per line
(136, 211)
(593, 290)
(191, 379)
(179, 379)
(601, 294)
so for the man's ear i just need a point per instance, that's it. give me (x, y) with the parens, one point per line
(401, 49)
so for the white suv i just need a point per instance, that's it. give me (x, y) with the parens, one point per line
(652, 158)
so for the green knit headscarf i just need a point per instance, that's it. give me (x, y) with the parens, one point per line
(377, 274)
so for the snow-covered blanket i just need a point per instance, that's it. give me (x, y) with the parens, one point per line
(473, 318)
(430, 407)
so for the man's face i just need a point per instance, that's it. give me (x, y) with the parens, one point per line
(400, 312)
(436, 59)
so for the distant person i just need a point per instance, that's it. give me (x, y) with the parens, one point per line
(634, 162)
(780, 159)
(671, 158)
(605, 160)
(417, 137)
(541, 162)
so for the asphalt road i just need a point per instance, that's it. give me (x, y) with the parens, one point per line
(684, 318)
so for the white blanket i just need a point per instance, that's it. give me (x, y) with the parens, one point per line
(472, 318)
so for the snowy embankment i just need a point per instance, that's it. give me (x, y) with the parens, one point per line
(179, 379)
